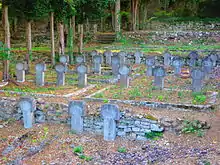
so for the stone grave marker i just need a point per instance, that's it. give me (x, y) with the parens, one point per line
(64, 60)
(193, 55)
(124, 78)
(197, 76)
(108, 57)
(80, 59)
(122, 58)
(97, 60)
(138, 56)
(207, 66)
(115, 65)
(150, 62)
(193, 58)
(110, 113)
(94, 53)
(167, 59)
(214, 57)
(82, 75)
(159, 74)
(177, 64)
(27, 106)
(60, 69)
(20, 72)
(77, 111)
(26, 67)
(40, 69)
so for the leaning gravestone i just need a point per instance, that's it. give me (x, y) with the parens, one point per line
(159, 74)
(124, 78)
(110, 113)
(150, 62)
(27, 106)
(167, 59)
(40, 69)
(20, 72)
(207, 67)
(80, 59)
(108, 57)
(138, 56)
(197, 79)
(60, 69)
(64, 60)
(82, 75)
(115, 65)
(122, 58)
(177, 64)
(77, 111)
(97, 60)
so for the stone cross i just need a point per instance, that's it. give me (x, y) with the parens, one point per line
(124, 78)
(27, 106)
(40, 69)
(177, 64)
(80, 59)
(197, 79)
(110, 113)
(159, 74)
(207, 67)
(82, 75)
(122, 58)
(60, 69)
(77, 111)
(108, 57)
(64, 60)
(167, 59)
(115, 65)
(20, 72)
(97, 60)
(138, 56)
(150, 62)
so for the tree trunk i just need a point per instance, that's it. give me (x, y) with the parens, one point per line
(61, 39)
(117, 19)
(102, 24)
(52, 38)
(134, 14)
(7, 43)
(74, 29)
(113, 17)
(15, 22)
(87, 25)
(145, 16)
(70, 41)
(28, 44)
(81, 38)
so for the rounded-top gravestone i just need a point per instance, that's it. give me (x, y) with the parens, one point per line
(97, 59)
(124, 70)
(94, 52)
(81, 69)
(41, 67)
(159, 71)
(60, 68)
(20, 66)
(193, 55)
(64, 59)
(197, 74)
(79, 59)
(150, 61)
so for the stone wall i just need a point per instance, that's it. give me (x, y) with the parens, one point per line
(132, 127)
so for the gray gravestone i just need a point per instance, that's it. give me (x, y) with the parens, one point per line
(64, 60)
(80, 59)
(20, 72)
(108, 57)
(177, 64)
(193, 59)
(27, 106)
(150, 62)
(138, 56)
(40, 69)
(77, 111)
(214, 57)
(110, 113)
(167, 59)
(207, 67)
(82, 75)
(97, 60)
(60, 69)
(122, 58)
(124, 78)
(193, 55)
(197, 76)
(159, 74)
(115, 65)
(94, 53)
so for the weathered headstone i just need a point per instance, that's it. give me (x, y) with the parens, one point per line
(40, 69)
(97, 60)
(64, 59)
(110, 113)
(197, 79)
(108, 57)
(159, 74)
(80, 59)
(77, 111)
(115, 65)
(122, 58)
(138, 56)
(167, 59)
(150, 62)
(214, 57)
(60, 69)
(177, 64)
(94, 53)
(27, 106)
(207, 66)
(124, 78)
(193, 59)
(82, 75)
(20, 72)
(193, 55)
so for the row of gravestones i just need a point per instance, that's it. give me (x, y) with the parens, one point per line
(109, 112)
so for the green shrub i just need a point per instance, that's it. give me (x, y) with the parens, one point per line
(153, 135)
(78, 149)
(122, 149)
(198, 98)
(194, 126)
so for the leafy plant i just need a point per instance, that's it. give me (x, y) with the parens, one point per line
(153, 135)
(194, 126)
(135, 92)
(198, 98)
(160, 98)
(99, 95)
(78, 149)
(122, 149)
